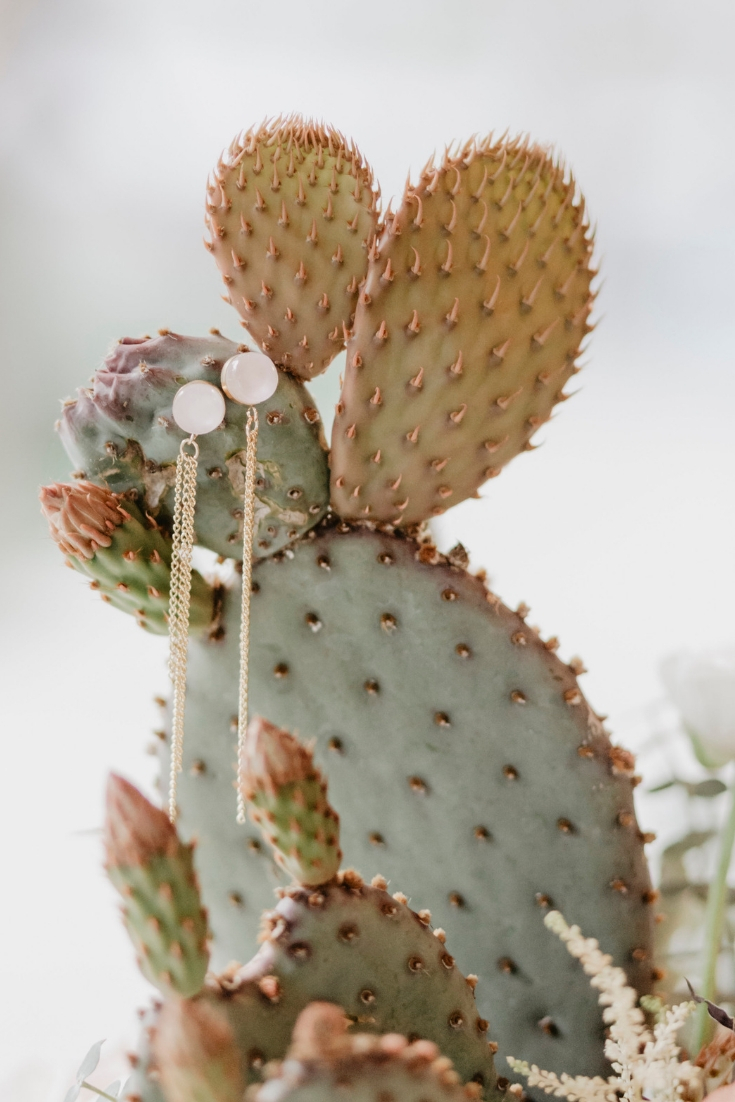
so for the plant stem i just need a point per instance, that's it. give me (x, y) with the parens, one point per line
(714, 921)
(102, 1094)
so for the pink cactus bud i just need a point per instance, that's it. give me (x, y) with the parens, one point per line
(320, 1031)
(196, 1054)
(274, 758)
(135, 830)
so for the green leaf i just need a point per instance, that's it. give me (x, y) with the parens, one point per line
(705, 789)
(692, 840)
(90, 1061)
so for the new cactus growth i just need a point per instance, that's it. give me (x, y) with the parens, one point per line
(460, 749)
(154, 872)
(468, 325)
(324, 1062)
(292, 212)
(196, 1055)
(126, 555)
(288, 799)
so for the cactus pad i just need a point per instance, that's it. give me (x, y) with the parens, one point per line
(154, 873)
(468, 326)
(122, 433)
(288, 799)
(292, 212)
(196, 1055)
(358, 946)
(325, 1064)
(464, 760)
(126, 554)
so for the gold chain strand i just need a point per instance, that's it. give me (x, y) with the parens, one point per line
(179, 601)
(248, 530)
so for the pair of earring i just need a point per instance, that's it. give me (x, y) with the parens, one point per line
(248, 378)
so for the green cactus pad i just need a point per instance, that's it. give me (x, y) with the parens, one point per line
(288, 799)
(292, 212)
(468, 326)
(154, 873)
(358, 946)
(196, 1055)
(463, 758)
(126, 554)
(121, 433)
(326, 1065)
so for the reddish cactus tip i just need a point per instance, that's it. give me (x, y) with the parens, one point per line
(196, 1053)
(135, 831)
(320, 1031)
(274, 758)
(81, 516)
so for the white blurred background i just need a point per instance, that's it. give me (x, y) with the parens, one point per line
(619, 532)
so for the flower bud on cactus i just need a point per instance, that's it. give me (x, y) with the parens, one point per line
(292, 212)
(126, 554)
(320, 1031)
(325, 1062)
(196, 1055)
(153, 871)
(288, 798)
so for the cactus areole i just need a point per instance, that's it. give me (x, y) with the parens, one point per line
(465, 766)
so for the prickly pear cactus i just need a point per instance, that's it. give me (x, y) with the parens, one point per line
(465, 762)
(154, 873)
(326, 1063)
(288, 799)
(338, 938)
(198, 1059)
(292, 211)
(196, 1054)
(470, 319)
(126, 555)
(474, 772)
(121, 433)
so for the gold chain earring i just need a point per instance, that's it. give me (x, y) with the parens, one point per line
(248, 378)
(198, 408)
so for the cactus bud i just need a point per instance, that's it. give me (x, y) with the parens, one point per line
(196, 1055)
(125, 553)
(288, 798)
(153, 871)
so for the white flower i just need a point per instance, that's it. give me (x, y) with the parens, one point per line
(702, 686)
(646, 1062)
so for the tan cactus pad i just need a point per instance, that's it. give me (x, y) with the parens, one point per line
(468, 326)
(154, 872)
(288, 799)
(292, 212)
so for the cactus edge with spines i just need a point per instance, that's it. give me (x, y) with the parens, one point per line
(418, 685)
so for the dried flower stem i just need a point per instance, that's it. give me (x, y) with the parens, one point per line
(645, 1063)
(713, 923)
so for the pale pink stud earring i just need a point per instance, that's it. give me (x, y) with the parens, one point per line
(248, 378)
(198, 408)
